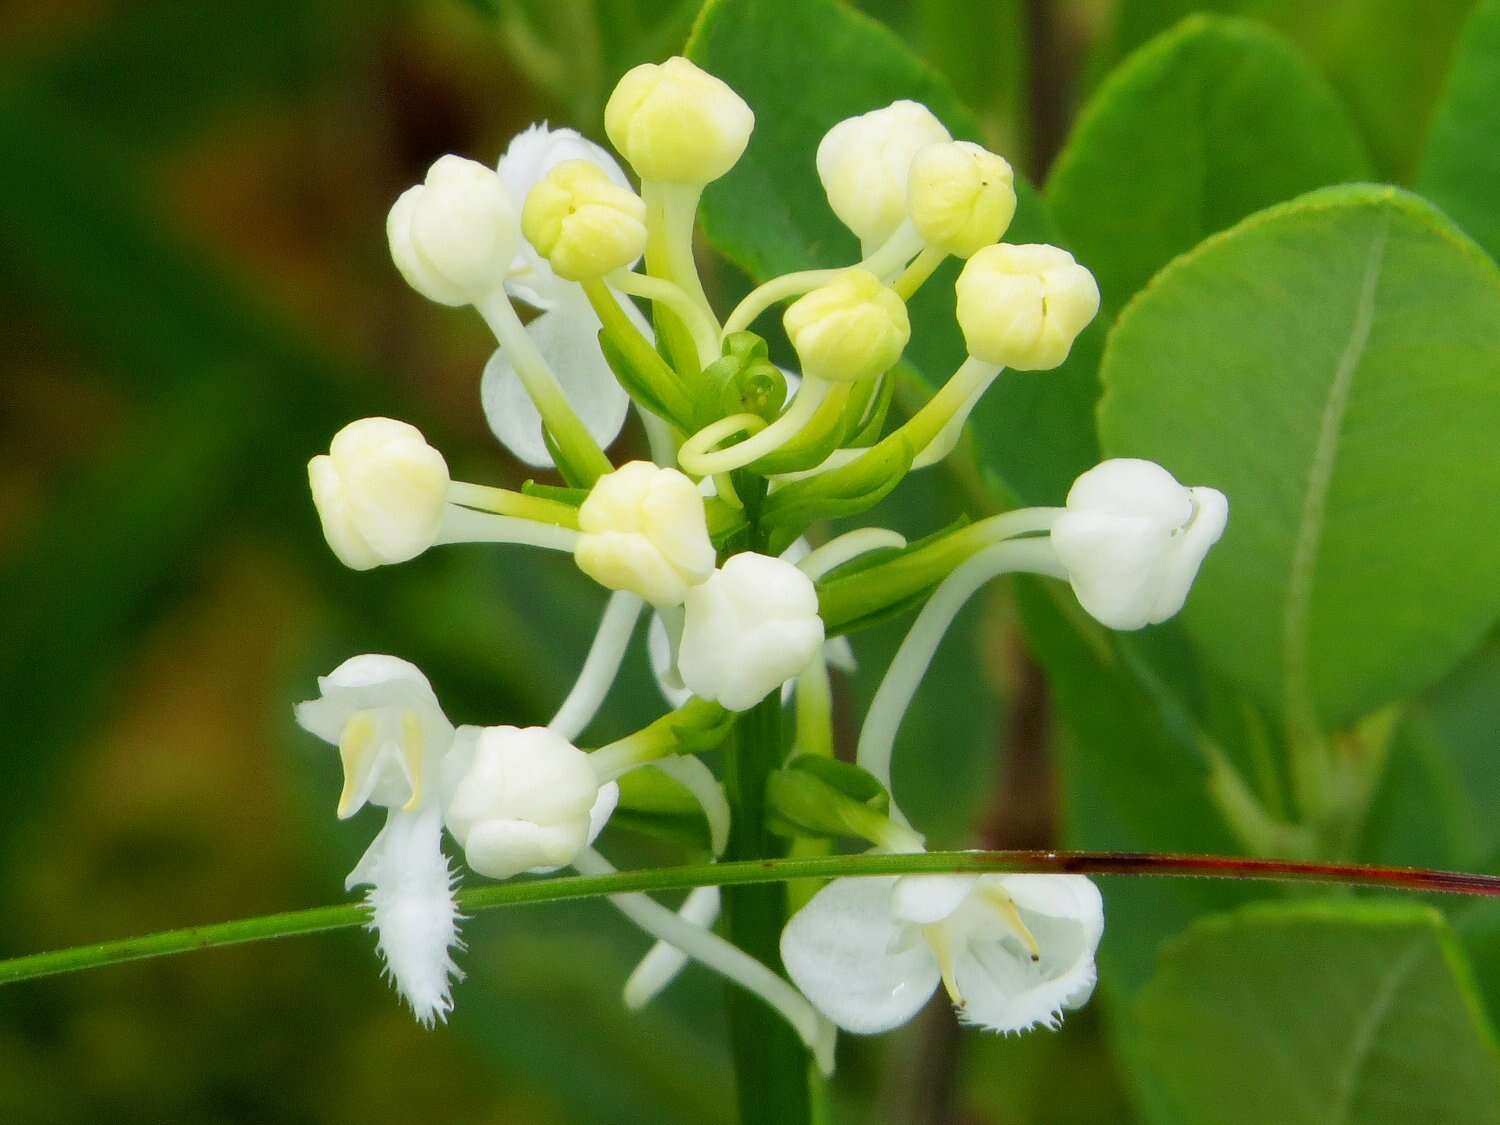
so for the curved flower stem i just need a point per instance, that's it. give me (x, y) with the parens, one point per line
(659, 290)
(892, 255)
(600, 666)
(921, 268)
(671, 210)
(894, 696)
(886, 259)
(943, 416)
(663, 961)
(762, 297)
(504, 502)
(345, 916)
(465, 525)
(572, 437)
(724, 958)
(836, 552)
(699, 458)
(655, 740)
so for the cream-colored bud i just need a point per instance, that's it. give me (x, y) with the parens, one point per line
(853, 328)
(1023, 306)
(748, 629)
(643, 529)
(864, 162)
(380, 491)
(521, 799)
(961, 197)
(584, 223)
(453, 235)
(677, 123)
(1132, 540)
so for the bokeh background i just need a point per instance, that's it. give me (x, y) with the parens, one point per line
(194, 295)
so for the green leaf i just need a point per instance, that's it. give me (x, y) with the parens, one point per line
(1438, 795)
(1333, 365)
(1320, 1013)
(1215, 119)
(805, 65)
(1385, 60)
(1461, 169)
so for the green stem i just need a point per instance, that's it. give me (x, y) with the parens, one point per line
(770, 1062)
(567, 888)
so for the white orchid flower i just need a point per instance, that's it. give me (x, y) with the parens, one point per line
(1013, 951)
(392, 736)
(566, 332)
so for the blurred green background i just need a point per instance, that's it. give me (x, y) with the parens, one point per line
(194, 295)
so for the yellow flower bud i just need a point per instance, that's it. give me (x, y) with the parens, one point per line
(380, 491)
(582, 222)
(1023, 306)
(960, 196)
(850, 329)
(677, 123)
(864, 162)
(643, 529)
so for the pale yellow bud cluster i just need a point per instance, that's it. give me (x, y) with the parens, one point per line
(584, 223)
(853, 328)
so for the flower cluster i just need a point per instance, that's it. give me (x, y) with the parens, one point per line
(748, 461)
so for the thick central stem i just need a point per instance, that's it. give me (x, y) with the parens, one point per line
(771, 1065)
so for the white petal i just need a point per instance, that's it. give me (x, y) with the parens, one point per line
(567, 337)
(663, 665)
(412, 910)
(924, 899)
(845, 951)
(602, 809)
(1003, 988)
(1210, 514)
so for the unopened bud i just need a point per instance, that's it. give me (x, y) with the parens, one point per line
(748, 629)
(677, 123)
(864, 163)
(380, 491)
(961, 197)
(521, 799)
(584, 223)
(643, 529)
(453, 235)
(1023, 306)
(853, 328)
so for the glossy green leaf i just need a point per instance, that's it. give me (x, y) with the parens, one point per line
(769, 215)
(1461, 169)
(1333, 365)
(1320, 1013)
(1215, 119)
(1386, 60)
